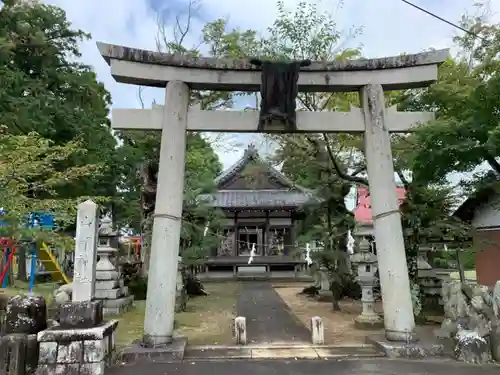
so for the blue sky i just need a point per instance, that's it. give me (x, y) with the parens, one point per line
(390, 27)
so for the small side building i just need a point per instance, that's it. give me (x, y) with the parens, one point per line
(482, 211)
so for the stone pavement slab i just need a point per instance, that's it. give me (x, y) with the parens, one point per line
(379, 366)
(268, 318)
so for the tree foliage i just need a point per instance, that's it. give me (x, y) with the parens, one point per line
(46, 89)
(30, 176)
(467, 126)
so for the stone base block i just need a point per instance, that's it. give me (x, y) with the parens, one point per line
(107, 284)
(59, 333)
(107, 275)
(414, 350)
(25, 314)
(18, 354)
(172, 352)
(86, 314)
(368, 322)
(113, 307)
(108, 293)
(76, 351)
(72, 369)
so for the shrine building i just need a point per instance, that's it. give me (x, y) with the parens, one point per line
(261, 210)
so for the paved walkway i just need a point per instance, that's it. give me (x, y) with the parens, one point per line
(268, 318)
(318, 367)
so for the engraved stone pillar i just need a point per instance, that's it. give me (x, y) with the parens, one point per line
(394, 281)
(162, 280)
(366, 263)
(85, 252)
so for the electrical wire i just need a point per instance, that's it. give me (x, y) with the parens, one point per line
(443, 20)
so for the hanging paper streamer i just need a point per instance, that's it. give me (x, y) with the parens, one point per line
(206, 229)
(350, 243)
(252, 254)
(308, 255)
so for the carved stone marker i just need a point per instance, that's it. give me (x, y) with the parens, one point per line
(278, 93)
(85, 252)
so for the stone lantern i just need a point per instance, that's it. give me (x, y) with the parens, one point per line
(366, 264)
(109, 286)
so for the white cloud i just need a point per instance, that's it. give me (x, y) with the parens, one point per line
(390, 28)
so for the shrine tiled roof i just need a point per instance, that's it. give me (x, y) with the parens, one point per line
(257, 198)
(288, 194)
(250, 155)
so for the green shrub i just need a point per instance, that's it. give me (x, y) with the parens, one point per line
(139, 288)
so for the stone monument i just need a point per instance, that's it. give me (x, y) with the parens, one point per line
(82, 343)
(109, 286)
(366, 263)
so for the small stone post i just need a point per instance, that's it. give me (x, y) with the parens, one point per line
(366, 263)
(162, 279)
(240, 330)
(399, 321)
(85, 252)
(317, 331)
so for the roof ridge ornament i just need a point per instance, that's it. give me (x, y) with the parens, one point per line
(251, 151)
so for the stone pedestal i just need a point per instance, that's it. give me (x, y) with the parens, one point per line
(109, 286)
(365, 262)
(82, 344)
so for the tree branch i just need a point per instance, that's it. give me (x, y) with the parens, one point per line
(329, 152)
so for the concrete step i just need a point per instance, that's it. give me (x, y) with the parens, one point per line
(280, 352)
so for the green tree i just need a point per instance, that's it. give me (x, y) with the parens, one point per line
(46, 89)
(30, 175)
(465, 98)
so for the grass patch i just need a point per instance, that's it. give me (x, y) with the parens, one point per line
(206, 321)
(21, 287)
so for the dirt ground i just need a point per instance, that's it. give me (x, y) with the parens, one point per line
(339, 325)
(206, 321)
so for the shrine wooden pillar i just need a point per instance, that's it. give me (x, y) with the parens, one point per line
(265, 235)
(292, 237)
(236, 234)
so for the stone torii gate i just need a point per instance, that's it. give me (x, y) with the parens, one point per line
(178, 74)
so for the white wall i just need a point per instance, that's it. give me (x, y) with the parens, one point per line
(488, 214)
